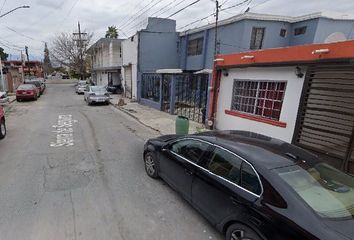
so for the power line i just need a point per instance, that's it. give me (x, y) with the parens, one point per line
(170, 5)
(23, 35)
(141, 22)
(178, 11)
(191, 4)
(2, 7)
(127, 18)
(221, 9)
(49, 13)
(131, 18)
(8, 46)
(141, 14)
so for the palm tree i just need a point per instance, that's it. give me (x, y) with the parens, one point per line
(112, 32)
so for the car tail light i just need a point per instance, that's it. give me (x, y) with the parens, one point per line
(19, 91)
(29, 92)
(92, 94)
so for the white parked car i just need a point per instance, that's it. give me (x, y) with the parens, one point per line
(3, 98)
(96, 94)
(80, 87)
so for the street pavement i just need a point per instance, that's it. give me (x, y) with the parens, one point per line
(72, 171)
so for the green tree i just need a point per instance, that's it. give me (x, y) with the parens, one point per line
(112, 32)
(3, 55)
(47, 65)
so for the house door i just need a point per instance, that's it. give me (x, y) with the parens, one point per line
(191, 96)
(128, 81)
(326, 119)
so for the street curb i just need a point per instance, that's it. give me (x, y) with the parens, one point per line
(133, 116)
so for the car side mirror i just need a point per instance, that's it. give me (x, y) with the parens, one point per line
(165, 148)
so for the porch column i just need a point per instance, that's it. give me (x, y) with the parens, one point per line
(173, 94)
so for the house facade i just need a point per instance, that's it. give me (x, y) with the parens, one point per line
(106, 57)
(150, 49)
(253, 31)
(17, 71)
(171, 71)
(301, 94)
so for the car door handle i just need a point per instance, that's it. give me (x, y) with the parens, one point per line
(188, 172)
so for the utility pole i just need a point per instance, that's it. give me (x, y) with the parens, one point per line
(2, 77)
(26, 51)
(23, 64)
(81, 38)
(216, 50)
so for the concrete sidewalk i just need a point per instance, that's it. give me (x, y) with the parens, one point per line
(162, 122)
(10, 98)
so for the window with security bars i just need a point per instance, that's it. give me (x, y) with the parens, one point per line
(261, 98)
(257, 37)
(195, 46)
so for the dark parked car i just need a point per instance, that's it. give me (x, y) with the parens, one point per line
(115, 89)
(2, 124)
(251, 186)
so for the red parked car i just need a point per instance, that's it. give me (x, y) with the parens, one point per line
(27, 91)
(2, 124)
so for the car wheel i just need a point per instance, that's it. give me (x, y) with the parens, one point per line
(2, 129)
(150, 165)
(241, 232)
(18, 100)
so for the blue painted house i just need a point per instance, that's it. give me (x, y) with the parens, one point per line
(184, 60)
(251, 31)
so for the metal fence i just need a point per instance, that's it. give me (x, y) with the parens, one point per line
(181, 94)
(191, 96)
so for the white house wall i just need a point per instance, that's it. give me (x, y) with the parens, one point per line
(289, 109)
(130, 57)
(102, 78)
(107, 55)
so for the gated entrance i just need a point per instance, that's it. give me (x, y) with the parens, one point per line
(191, 96)
(166, 93)
(326, 119)
(183, 94)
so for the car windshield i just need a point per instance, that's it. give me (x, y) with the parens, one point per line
(98, 89)
(37, 84)
(25, 87)
(328, 191)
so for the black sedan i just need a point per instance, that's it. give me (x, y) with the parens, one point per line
(251, 186)
(114, 89)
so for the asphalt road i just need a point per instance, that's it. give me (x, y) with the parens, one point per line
(93, 187)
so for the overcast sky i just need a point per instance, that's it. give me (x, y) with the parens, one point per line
(46, 18)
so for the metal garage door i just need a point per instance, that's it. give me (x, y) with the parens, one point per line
(326, 118)
(128, 81)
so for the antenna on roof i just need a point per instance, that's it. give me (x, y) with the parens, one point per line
(247, 10)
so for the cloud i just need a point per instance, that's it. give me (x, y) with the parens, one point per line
(50, 3)
(47, 18)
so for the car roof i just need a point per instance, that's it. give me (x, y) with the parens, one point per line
(261, 151)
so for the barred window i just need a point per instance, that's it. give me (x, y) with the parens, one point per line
(257, 37)
(261, 98)
(195, 46)
(150, 87)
